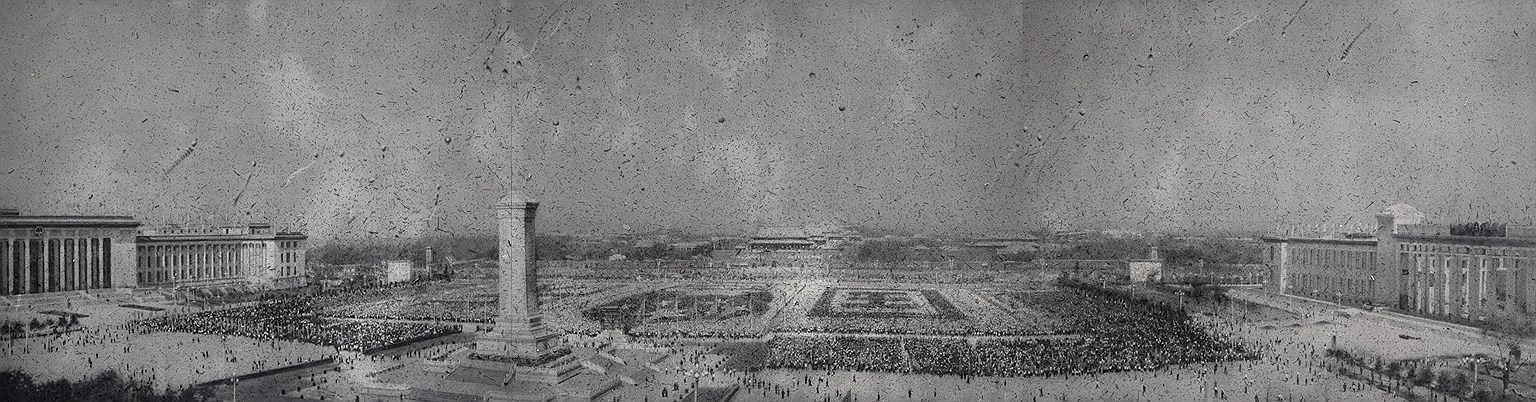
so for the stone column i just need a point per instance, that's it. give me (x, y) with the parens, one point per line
(26, 267)
(5, 266)
(96, 263)
(83, 263)
(66, 259)
(47, 273)
(519, 331)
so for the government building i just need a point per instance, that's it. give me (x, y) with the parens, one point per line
(43, 254)
(47, 254)
(1473, 272)
(250, 255)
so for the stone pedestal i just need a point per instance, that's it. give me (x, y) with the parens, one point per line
(522, 342)
(519, 331)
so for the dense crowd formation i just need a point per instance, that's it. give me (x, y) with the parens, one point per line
(437, 301)
(957, 313)
(295, 319)
(1113, 332)
(686, 313)
(943, 308)
(838, 353)
(482, 311)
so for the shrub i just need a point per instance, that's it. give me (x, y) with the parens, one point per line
(1423, 376)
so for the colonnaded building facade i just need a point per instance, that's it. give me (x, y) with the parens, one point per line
(221, 256)
(46, 254)
(42, 254)
(1472, 271)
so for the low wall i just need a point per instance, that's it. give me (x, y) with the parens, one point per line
(266, 373)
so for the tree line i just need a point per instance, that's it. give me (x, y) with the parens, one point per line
(1175, 252)
(107, 386)
(546, 247)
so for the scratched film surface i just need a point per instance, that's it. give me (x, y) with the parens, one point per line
(767, 200)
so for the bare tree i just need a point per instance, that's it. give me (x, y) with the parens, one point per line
(1511, 330)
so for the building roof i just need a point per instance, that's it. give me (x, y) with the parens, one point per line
(690, 244)
(780, 232)
(1007, 238)
(1444, 239)
(1325, 240)
(206, 237)
(174, 229)
(782, 241)
(248, 231)
(1404, 214)
(30, 221)
(1470, 240)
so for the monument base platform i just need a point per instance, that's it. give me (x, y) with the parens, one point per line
(501, 378)
(521, 342)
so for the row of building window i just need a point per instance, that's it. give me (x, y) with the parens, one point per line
(163, 276)
(1328, 259)
(1460, 250)
(157, 257)
(1421, 262)
(1330, 286)
(170, 263)
(1472, 278)
(288, 270)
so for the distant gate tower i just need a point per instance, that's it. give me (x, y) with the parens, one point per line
(520, 331)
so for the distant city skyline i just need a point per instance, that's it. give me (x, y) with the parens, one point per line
(384, 120)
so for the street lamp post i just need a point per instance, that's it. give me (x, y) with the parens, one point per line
(1373, 289)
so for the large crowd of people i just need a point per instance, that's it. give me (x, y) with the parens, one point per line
(955, 313)
(837, 353)
(438, 301)
(480, 311)
(296, 319)
(1113, 331)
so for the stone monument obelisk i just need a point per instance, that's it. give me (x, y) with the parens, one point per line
(520, 333)
(520, 359)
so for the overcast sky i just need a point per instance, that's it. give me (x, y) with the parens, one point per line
(374, 118)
